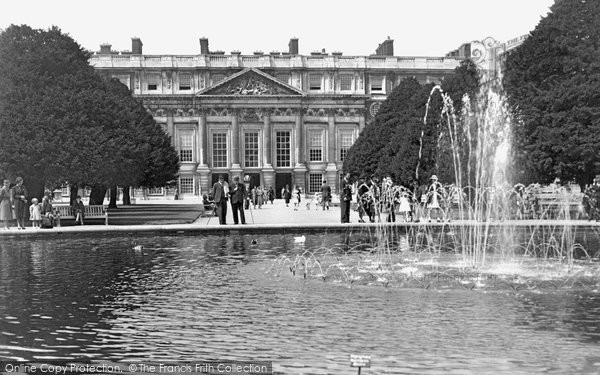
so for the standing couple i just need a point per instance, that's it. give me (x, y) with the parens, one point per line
(221, 192)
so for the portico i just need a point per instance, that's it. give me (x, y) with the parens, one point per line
(251, 124)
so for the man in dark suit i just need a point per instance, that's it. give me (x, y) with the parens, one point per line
(325, 195)
(220, 196)
(237, 192)
(346, 198)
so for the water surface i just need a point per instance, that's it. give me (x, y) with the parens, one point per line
(216, 297)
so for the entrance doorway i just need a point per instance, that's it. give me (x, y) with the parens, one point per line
(254, 179)
(282, 179)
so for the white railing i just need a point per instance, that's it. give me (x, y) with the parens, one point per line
(268, 61)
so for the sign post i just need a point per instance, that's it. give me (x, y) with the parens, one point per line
(360, 361)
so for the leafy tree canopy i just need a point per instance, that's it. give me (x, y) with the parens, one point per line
(553, 86)
(391, 143)
(60, 121)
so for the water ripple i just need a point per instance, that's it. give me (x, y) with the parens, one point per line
(215, 297)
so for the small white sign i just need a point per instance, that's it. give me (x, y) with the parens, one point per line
(360, 360)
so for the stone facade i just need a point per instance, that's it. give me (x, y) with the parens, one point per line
(279, 119)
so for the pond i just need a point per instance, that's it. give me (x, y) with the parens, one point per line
(212, 297)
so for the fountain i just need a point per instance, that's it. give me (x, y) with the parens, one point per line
(483, 245)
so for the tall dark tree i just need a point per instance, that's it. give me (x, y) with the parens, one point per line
(37, 121)
(410, 153)
(553, 83)
(61, 122)
(391, 144)
(456, 148)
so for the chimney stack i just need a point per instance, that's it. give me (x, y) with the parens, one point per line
(204, 46)
(293, 46)
(136, 46)
(386, 48)
(105, 49)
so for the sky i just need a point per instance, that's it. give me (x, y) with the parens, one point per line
(173, 27)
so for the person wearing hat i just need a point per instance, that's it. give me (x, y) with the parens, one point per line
(345, 198)
(237, 192)
(220, 196)
(364, 197)
(433, 197)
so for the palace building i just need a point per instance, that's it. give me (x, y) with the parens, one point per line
(279, 118)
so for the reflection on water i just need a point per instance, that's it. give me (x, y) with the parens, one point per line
(212, 297)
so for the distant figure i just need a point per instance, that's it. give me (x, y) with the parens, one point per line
(19, 202)
(296, 198)
(78, 210)
(35, 213)
(271, 194)
(286, 194)
(5, 206)
(209, 204)
(260, 195)
(345, 198)
(237, 192)
(405, 209)
(434, 195)
(364, 198)
(47, 213)
(220, 193)
(325, 195)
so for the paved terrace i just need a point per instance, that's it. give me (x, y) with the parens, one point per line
(183, 217)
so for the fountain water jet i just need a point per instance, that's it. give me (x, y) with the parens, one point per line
(482, 242)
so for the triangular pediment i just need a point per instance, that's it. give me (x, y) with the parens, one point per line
(250, 82)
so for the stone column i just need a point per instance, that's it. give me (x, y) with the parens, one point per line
(202, 171)
(267, 151)
(236, 169)
(267, 171)
(331, 139)
(299, 144)
(299, 167)
(171, 126)
(331, 169)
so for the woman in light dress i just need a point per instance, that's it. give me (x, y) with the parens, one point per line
(405, 209)
(433, 194)
(5, 206)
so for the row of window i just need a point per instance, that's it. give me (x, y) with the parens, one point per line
(283, 147)
(315, 81)
(186, 185)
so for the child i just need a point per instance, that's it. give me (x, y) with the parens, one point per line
(35, 213)
(296, 198)
(405, 209)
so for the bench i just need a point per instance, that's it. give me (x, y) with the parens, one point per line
(91, 212)
(552, 202)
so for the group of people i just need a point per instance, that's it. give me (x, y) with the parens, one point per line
(383, 200)
(434, 200)
(240, 196)
(374, 198)
(259, 195)
(222, 192)
(14, 205)
(591, 200)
